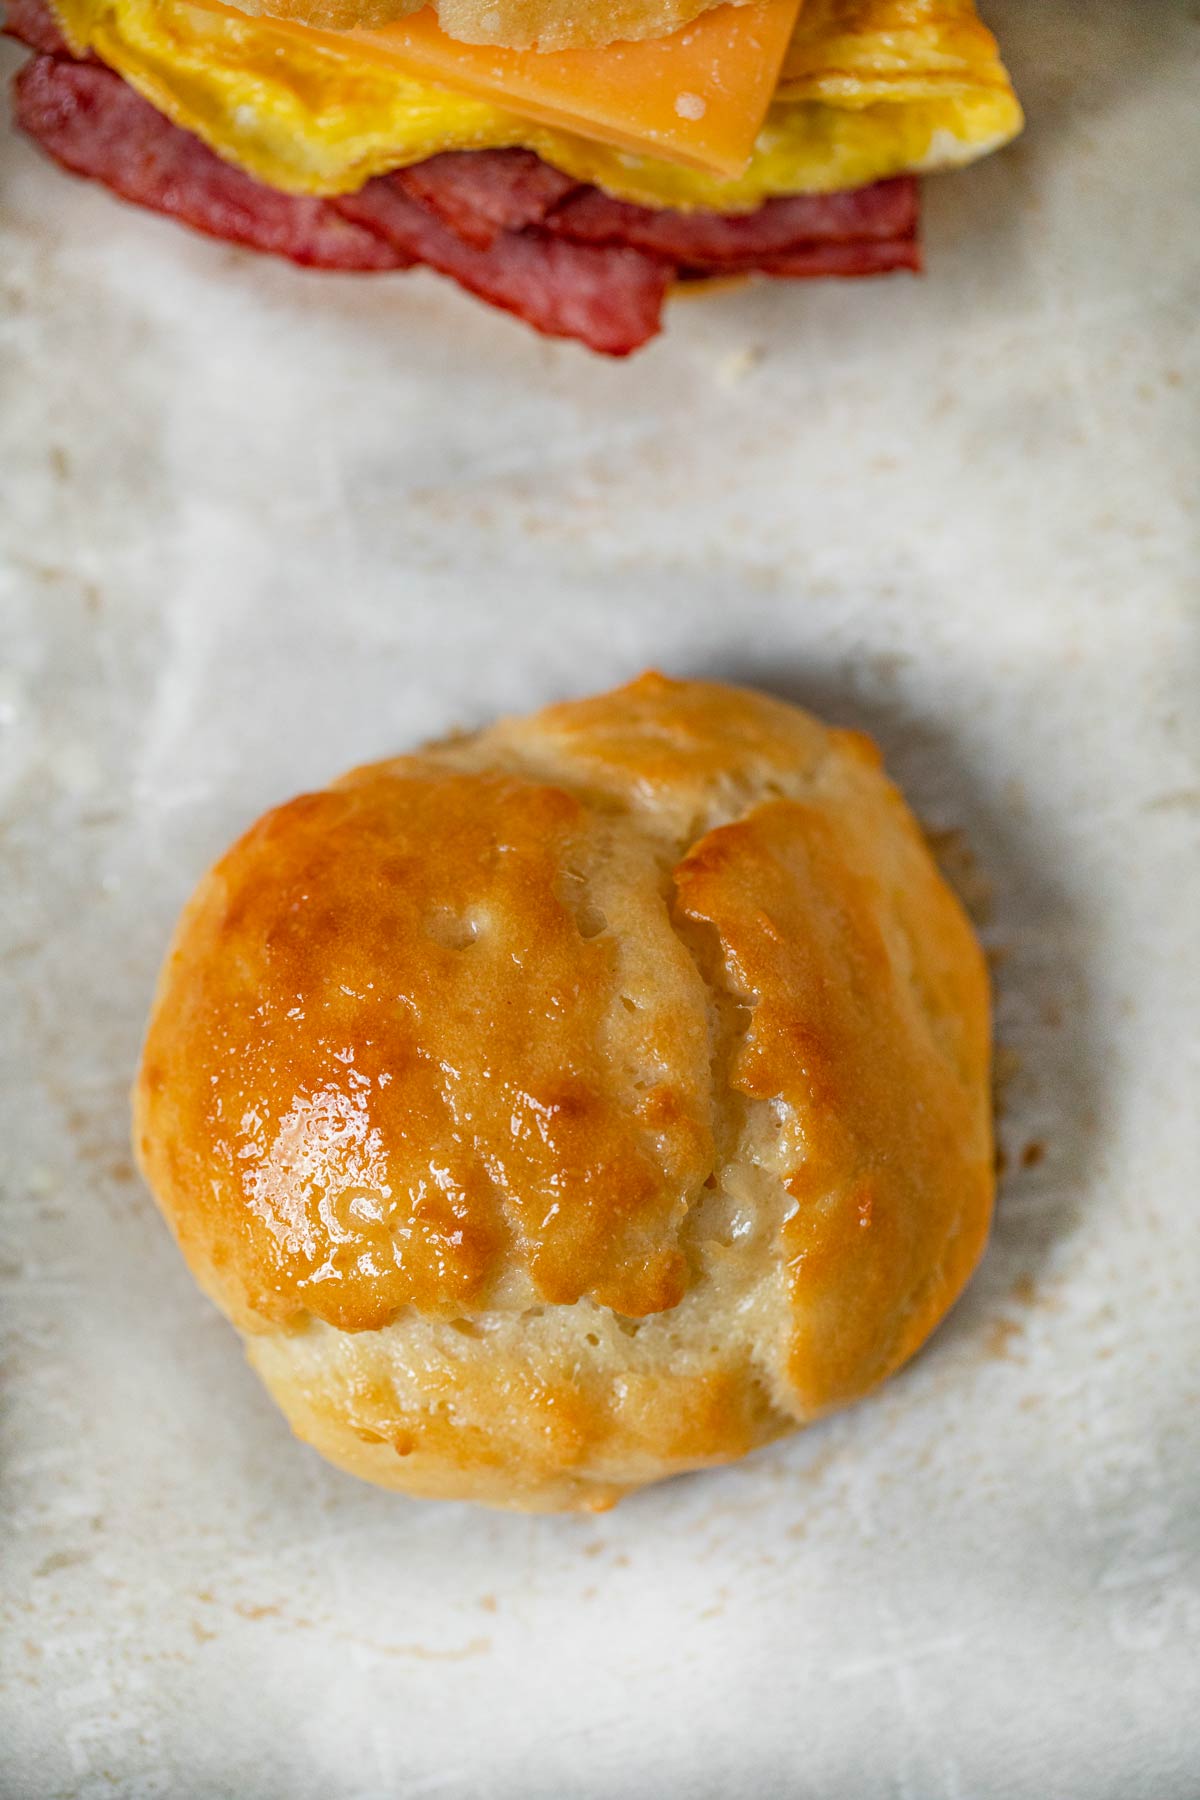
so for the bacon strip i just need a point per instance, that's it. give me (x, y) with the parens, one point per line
(610, 298)
(779, 229)
(867, 256)
(95, 124)
(480, 193)
(31, 22)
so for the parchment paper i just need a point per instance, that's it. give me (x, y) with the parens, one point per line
(257, 526)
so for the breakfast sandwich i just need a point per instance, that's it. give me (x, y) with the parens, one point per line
(570, 161)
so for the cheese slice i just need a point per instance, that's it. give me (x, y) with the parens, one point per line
(697, 97)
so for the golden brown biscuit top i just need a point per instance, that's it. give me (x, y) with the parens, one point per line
(485, 1027)
(403, 1052)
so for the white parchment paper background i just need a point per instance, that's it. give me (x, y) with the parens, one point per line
(257, 525)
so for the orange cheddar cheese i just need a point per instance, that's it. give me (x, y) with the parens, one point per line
(697, 97)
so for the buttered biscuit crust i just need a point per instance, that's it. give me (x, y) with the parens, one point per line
(593, 1098)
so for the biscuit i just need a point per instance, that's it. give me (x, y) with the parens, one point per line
(537, 25)
(589, 1099)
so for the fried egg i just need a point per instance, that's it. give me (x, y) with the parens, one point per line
(869, 88)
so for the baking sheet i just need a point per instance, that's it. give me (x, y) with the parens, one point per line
(257, 526)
